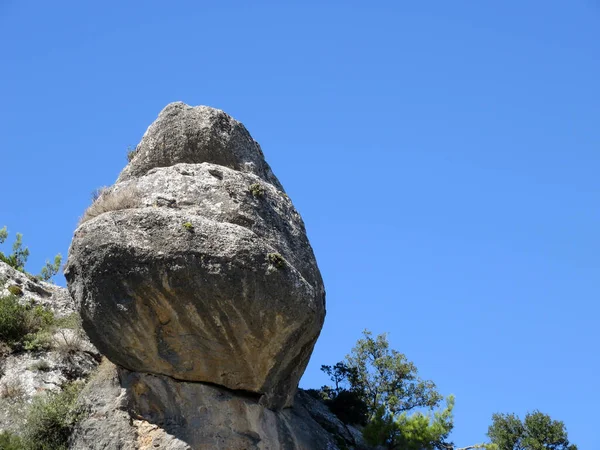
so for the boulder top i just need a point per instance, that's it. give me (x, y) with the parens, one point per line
(197, 134)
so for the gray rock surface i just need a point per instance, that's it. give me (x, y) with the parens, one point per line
(209, 277)
(129, 410)
(185, 134)
(39, 292)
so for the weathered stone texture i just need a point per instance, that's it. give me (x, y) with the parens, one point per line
(210, 277)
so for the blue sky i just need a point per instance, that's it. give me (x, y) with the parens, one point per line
(444, 156)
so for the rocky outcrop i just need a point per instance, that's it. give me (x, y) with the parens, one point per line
(29, 288)
(67, 356)
(206, 275)
(135, 411)
(183, 134)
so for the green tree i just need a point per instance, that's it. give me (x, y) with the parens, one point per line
(537, 432)
(51, 269)
(388, 387)
(385, 378)
(417, 431)
(19, 255)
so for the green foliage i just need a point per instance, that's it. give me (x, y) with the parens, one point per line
(276, 260)
(385, 377)
(376, 387)
(417, 431)
(188, 226)
(19, 255)
(15, 290)
(10, 441)
(257, 190)
(18, 258)
(51, 418)
(23, 325)
(51, 269)
(537, 432)
(40, 366)
(131, 152)
(38, 341)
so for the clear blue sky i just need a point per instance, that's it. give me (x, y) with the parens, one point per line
(445, 157)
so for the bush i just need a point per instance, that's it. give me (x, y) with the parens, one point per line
(131, 152)
(15, 290)
(276, 260)
(10, 441)
(256, 190)
(21, 324)
(51, 419)
(109, 200)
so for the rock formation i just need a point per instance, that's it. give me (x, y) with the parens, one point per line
(194, 276)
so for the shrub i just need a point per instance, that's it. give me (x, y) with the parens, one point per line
(22, 324)
(10, 441)
(256, 190)
(125, 198)
(131, 152)
(51, 419)
(276, 260)
(15, 290)
(40, 366)
(68, 342)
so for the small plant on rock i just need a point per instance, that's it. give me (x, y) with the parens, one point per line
(15, 290)
(188, 226)
(40, 366)
(276, 260)
(131, 152)
(256, 190)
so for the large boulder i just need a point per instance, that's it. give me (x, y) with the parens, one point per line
(196, 265)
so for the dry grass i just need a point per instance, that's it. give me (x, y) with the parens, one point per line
(109, 200)
(68, 342)
(12, 390)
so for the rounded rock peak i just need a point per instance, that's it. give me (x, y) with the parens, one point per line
(197, 134)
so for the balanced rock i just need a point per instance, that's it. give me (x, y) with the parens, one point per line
(195, 264)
